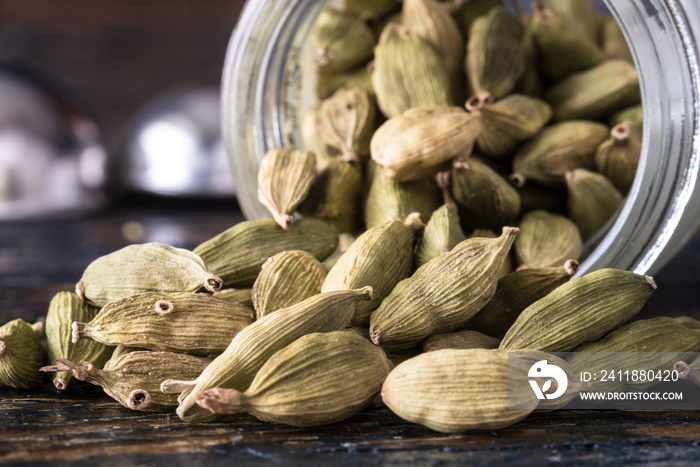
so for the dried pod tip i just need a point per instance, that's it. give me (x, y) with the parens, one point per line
(78, 331)
(682, 368)
(517, 180)
(173, 386)
(60, 383)
(477, 102)
(461, 164)
(370, 67)
(350, 158)
(80, 289)
(367, 292)
(570, 176)
(571, 267)
(220, 400)
(443, 180)
(38, 328)
(139, 399)
(3, 347)
(376, 335)
(510, 231)
(414, 222)
(620, 132)
(163, 307)
(213, 284)
(320, 56)
(522, 267)
(651, 282)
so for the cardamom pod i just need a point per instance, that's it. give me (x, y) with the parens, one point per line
(148, 267)
(517, 291)
(691, 371)
(320, 378)
(21, 354)
(251, 348)
(618, 156)
(454, 390)
(546, 240)
(485, 199)
(580, 14)
(380, 257)
(561, 47)
(133, 379)
(344, 242)
(687, 321)
(591, 94)
(284, 179)
(634, 114)
(582, 310)
(285, 280)
(469, 11)
(64, 309)
(313, 141)
(184, 322)
(242, 296)
(495, 59)
(342, 42)
(508, 122)
(508, 265)
(408, 72)
(394, 356)
(122, 350)
(558, 149)
(422, 139)
(238, 253)
(328, 83)
(443, 294)
(593, 201)
(614, 42)
(441, 234)
(531, 82)
(387, 200)
(460, 340)
(346, 122)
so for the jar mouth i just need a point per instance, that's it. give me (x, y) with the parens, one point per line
(261, 109)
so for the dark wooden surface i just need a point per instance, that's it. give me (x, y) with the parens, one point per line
(84, 426)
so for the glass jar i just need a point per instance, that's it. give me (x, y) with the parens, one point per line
(265, 94)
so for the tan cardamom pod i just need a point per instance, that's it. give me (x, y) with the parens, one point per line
(593, 201)
(460, 340)
(582, 310)
(237, 254)
(185, 322)
(495, 58)
(64, 309)
(558, 149)
(343, 42)
(454, 390)
(285, 280)
(346, 122)
(284, 179)
(546, 240)
(517, 291)
(441, 234)
(443, 294)
(242, 296)
(250, 349)
(148, 267)
(320, 378)
(618, 156)
(21, 355)
(408, 72)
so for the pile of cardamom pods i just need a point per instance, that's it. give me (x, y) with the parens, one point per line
(363, 289)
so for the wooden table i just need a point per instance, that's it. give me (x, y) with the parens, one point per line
(84, 426)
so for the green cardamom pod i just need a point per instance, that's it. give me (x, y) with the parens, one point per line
(344, 242)
(594, 93)
(580, 14)
(614, 42)
(328, 83)
(443, 294)
(460, 340)
(508, 122)
(618, 156)
(133, 379)
(408, 72)
(687, 321)
(517, 291)
(320, 378)
(185, 322)
(546, 240)
(441, 234)
(508, 265)
(343, 42)
(285, 280)
(122, 350)
(558, 149)
(238, 253)
(346, 122)
(284, 179)
(380, 257)
(387, 200)
(582, 310)
(313, 141)
(634, 115)
(468, 12)
(64, 309)
(454, 390)
(242, 296)
(531, 82)
(21, 354)
(593, 201)
(562, 48)
(148, 267)
(495, 59)
(422, 139)
(250, 349)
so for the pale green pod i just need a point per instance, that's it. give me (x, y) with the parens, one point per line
(342, 42)
(469, 11)
(634, 114)
(346, 122)
(250, 349)
(285, 280)
(618, 156)
(380, 257)
(21, 355)
(454, 390)
(441, 234)
(687, 321)
(148, 267)
(460, 340)
(242, 296)
(531, 82)
(593, 201)
(582, 310)
(546, 240)
(508, 265)
(319, 379)
(238, 253)
(64, 309)
(592, 94)
(408, 72)
(185, 322)
(580, 14)
(313, 141)
(443, 294)
(327, 83)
